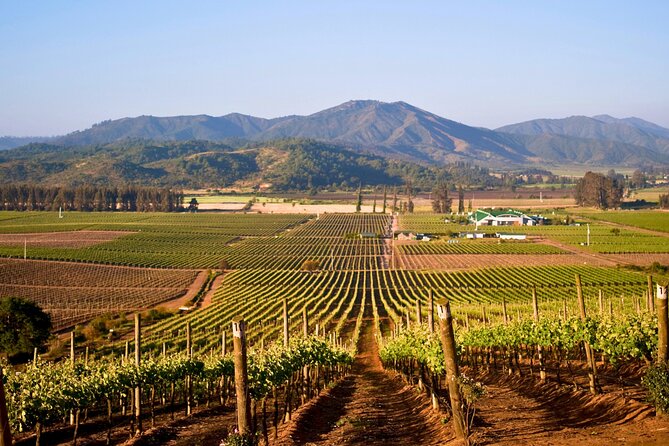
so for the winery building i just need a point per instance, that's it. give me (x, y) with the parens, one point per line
(496, 217)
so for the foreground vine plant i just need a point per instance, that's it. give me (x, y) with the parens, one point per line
(45, 392)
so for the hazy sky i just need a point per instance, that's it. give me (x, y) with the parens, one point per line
(68, 64)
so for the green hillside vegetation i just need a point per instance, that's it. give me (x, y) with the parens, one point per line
(287, 164)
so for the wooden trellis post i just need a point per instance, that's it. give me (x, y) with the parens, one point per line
(540, 353)
(305, 321)
(72, 362)
(189, 379)
(651, 301)
(662, 325)
(5, 433)
(452, 372)
(430, 311)
(589, 353)
(138, 389)
(241, 376)
(286, 335)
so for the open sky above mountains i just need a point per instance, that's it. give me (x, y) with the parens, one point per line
(70, 64)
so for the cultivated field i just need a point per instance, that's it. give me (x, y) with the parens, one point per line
(73, 292)
(369, 303)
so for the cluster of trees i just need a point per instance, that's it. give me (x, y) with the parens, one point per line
(664, 201)
(28, 197)
(442, 204)
(600, 191)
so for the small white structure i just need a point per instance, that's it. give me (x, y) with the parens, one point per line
(504, 236)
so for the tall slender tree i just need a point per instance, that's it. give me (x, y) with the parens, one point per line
(441, 203)
(461, 200)
(385, 197)
(358, 203)
(409, 194)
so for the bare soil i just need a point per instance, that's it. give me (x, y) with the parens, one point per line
(369, 407)
(69, 239)
(455, 262)
(192, 291)
(206, 301)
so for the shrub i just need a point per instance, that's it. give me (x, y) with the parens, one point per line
(237, 439)
(310, 265)
(656, 382)
(24, 326)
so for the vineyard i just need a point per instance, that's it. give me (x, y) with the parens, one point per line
(656, 221)
(333, 297)
(603, 238)
(477, 247)
(454, 262)
(73, 293)
(152, 240)
(365, 290)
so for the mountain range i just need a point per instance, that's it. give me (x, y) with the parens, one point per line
(401, 131)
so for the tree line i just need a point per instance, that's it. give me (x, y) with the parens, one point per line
(88, 198)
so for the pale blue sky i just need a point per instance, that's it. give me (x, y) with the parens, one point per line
(68, 64)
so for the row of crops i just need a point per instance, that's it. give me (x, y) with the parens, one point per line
(44, 392)
(232, 224)
(73, 292)
(477, 247)
(203, 241)
(332, 297)
(653, 220)
(603, 238)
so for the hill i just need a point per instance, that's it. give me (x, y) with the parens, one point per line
(285, 164)
(601, 139)
(9, 142)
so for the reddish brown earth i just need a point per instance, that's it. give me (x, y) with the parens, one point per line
(456, 262)
(210, 294)
(69, 239)
(374, 407)
(369, 407)
(192, 291)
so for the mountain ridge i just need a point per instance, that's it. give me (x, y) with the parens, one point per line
(400, 130)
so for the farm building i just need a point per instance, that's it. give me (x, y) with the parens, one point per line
(413, 236)
(506, 236)
(493, 217)
(474, 235)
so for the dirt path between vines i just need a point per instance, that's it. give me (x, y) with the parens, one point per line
(191, 292)
(369, 407)
(514, 412)
(209, 295)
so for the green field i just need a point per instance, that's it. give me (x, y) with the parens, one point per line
(653, 220)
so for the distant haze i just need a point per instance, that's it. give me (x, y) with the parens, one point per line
(69, 64)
